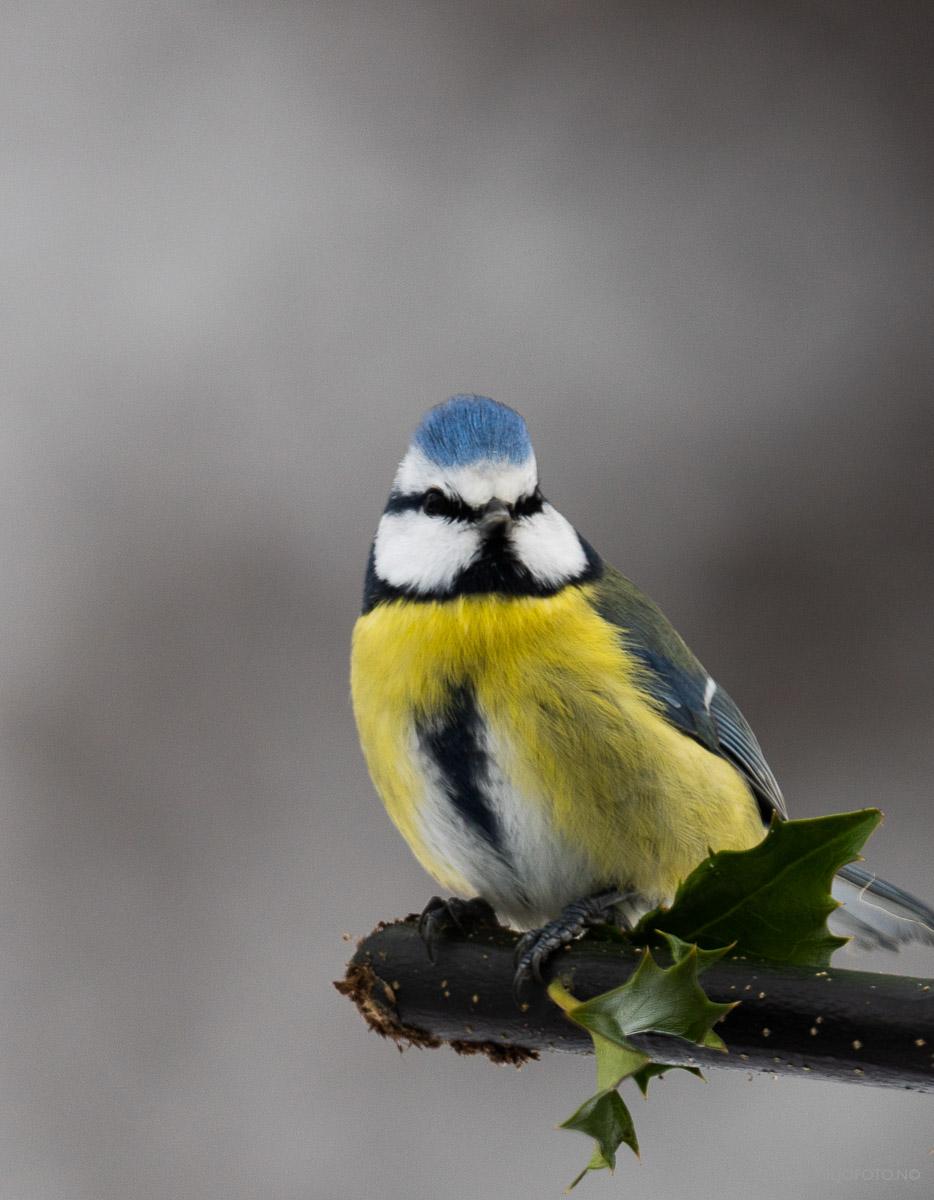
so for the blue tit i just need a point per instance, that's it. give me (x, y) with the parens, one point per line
(539, 733)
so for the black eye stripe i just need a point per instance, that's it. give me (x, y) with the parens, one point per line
(443, 506)
(453, 509)
(528, 506)
(456, 509)
(397, 503)
(436, 504)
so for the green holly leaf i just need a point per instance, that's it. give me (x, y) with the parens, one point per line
(609, 1123)
(704, 958)
(615, 1061)
(773, 900)
(658, 1000)
(652, 1070)
(606, 1119)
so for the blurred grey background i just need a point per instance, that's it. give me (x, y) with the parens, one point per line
(244, 247)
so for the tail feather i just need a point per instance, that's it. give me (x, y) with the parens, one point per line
(876, 913)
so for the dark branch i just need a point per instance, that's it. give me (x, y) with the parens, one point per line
(833, 1024)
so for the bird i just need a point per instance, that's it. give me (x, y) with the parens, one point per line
(541, 736)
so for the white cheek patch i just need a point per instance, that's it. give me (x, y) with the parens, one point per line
(413, 550)
(548, 546)
(475, 484)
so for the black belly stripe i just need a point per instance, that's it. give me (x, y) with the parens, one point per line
(452, 741)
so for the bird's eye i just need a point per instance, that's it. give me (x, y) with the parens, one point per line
(435, 502)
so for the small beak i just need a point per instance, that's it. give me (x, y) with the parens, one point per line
(494, 515)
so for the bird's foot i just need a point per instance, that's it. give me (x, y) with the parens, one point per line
(536, 947)
(440, 916)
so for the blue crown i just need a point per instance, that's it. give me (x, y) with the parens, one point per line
(466, 429)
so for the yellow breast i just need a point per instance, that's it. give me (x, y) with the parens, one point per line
(576, 733)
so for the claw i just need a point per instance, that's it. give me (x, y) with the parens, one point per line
(433, 916)
(439, 916)
(536, 946)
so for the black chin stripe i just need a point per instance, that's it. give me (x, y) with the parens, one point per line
(496, 569)
(495, 572)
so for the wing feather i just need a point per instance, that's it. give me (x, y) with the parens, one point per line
(687, 694)
(738, 743)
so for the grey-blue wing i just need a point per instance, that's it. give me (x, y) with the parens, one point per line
(738, 743)
(689, 697)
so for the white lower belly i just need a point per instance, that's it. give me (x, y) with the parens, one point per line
(530, 870)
